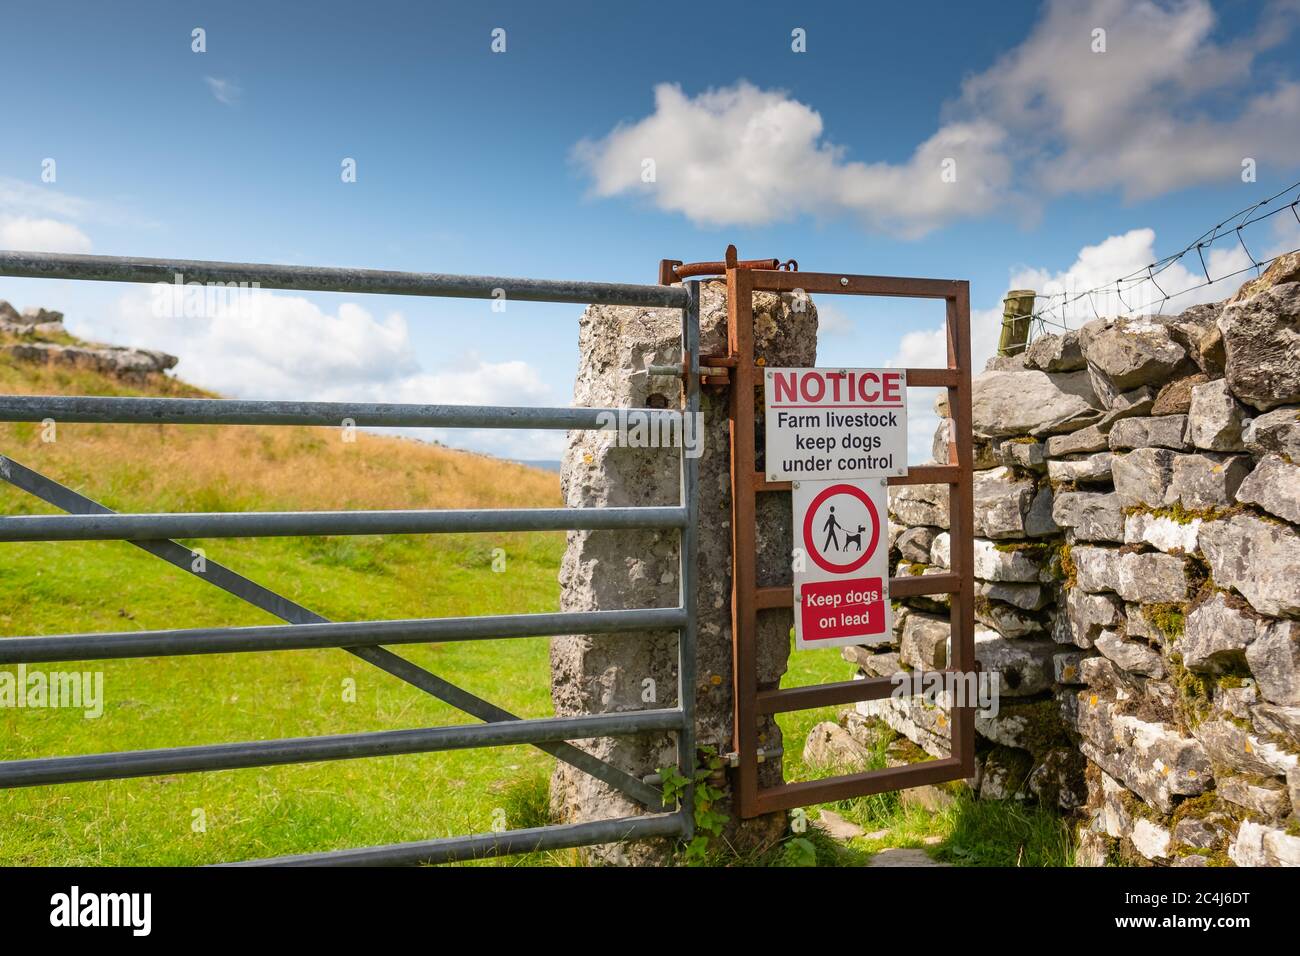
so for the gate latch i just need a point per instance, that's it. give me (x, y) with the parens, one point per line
(732, 759)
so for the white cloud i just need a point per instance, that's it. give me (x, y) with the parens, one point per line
(926, 348)
(41, 235)
(831, 320)
(225, 91)
(20, 197)
(273, 346)
(745, 156)
(33, 218)
(1165, 106)
(1286, 235)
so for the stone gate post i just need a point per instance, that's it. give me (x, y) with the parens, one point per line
(607, 570)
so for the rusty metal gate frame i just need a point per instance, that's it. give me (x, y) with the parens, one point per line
(752, 705)
(89, 520)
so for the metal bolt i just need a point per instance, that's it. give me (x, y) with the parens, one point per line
(884, 482)
(771, 477)
(844, 281)
(795, 484)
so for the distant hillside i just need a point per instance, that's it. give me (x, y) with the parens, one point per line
(546, 464)
(230, 467)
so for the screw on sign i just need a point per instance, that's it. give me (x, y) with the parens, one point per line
(842, 586)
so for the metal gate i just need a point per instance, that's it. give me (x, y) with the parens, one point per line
(751, 705)
(88, 520)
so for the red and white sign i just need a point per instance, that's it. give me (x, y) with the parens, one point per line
(826, 423)
(841, 567)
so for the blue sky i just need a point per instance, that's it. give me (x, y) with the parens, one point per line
(1073, 165)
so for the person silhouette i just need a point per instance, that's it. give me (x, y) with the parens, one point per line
(830, 527)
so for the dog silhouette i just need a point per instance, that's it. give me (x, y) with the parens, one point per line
(854, 538)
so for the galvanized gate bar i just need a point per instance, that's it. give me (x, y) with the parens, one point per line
(687, 597)
(220, 576)
(383, 743)
(270, 524)
(229, 411)
(215, 411)
(116, 645)
(451, 849)
(752, 704)
(49, 265)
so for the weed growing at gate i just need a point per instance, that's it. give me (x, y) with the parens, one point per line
(708, 822)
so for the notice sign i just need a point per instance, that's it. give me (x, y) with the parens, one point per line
(835, 423)
(841, 572)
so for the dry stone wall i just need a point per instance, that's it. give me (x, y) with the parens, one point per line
(1137, 504)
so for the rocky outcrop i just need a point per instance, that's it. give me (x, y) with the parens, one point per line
(34, 327)
(31, 321)
(118, 361)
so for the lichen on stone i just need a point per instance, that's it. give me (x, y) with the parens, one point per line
(1176, 512)
(1168, 618)
(1195, 691)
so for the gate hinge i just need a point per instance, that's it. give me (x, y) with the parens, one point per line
(714, 370)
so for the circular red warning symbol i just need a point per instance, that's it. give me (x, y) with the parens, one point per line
(848, 543)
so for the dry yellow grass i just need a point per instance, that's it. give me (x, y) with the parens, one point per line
(237, 467)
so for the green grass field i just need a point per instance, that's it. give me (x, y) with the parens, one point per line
(243, 814)
(211, 699)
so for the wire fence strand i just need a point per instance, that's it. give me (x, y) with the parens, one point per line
(1054, 314)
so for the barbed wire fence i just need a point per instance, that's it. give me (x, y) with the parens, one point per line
(1055, 313)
